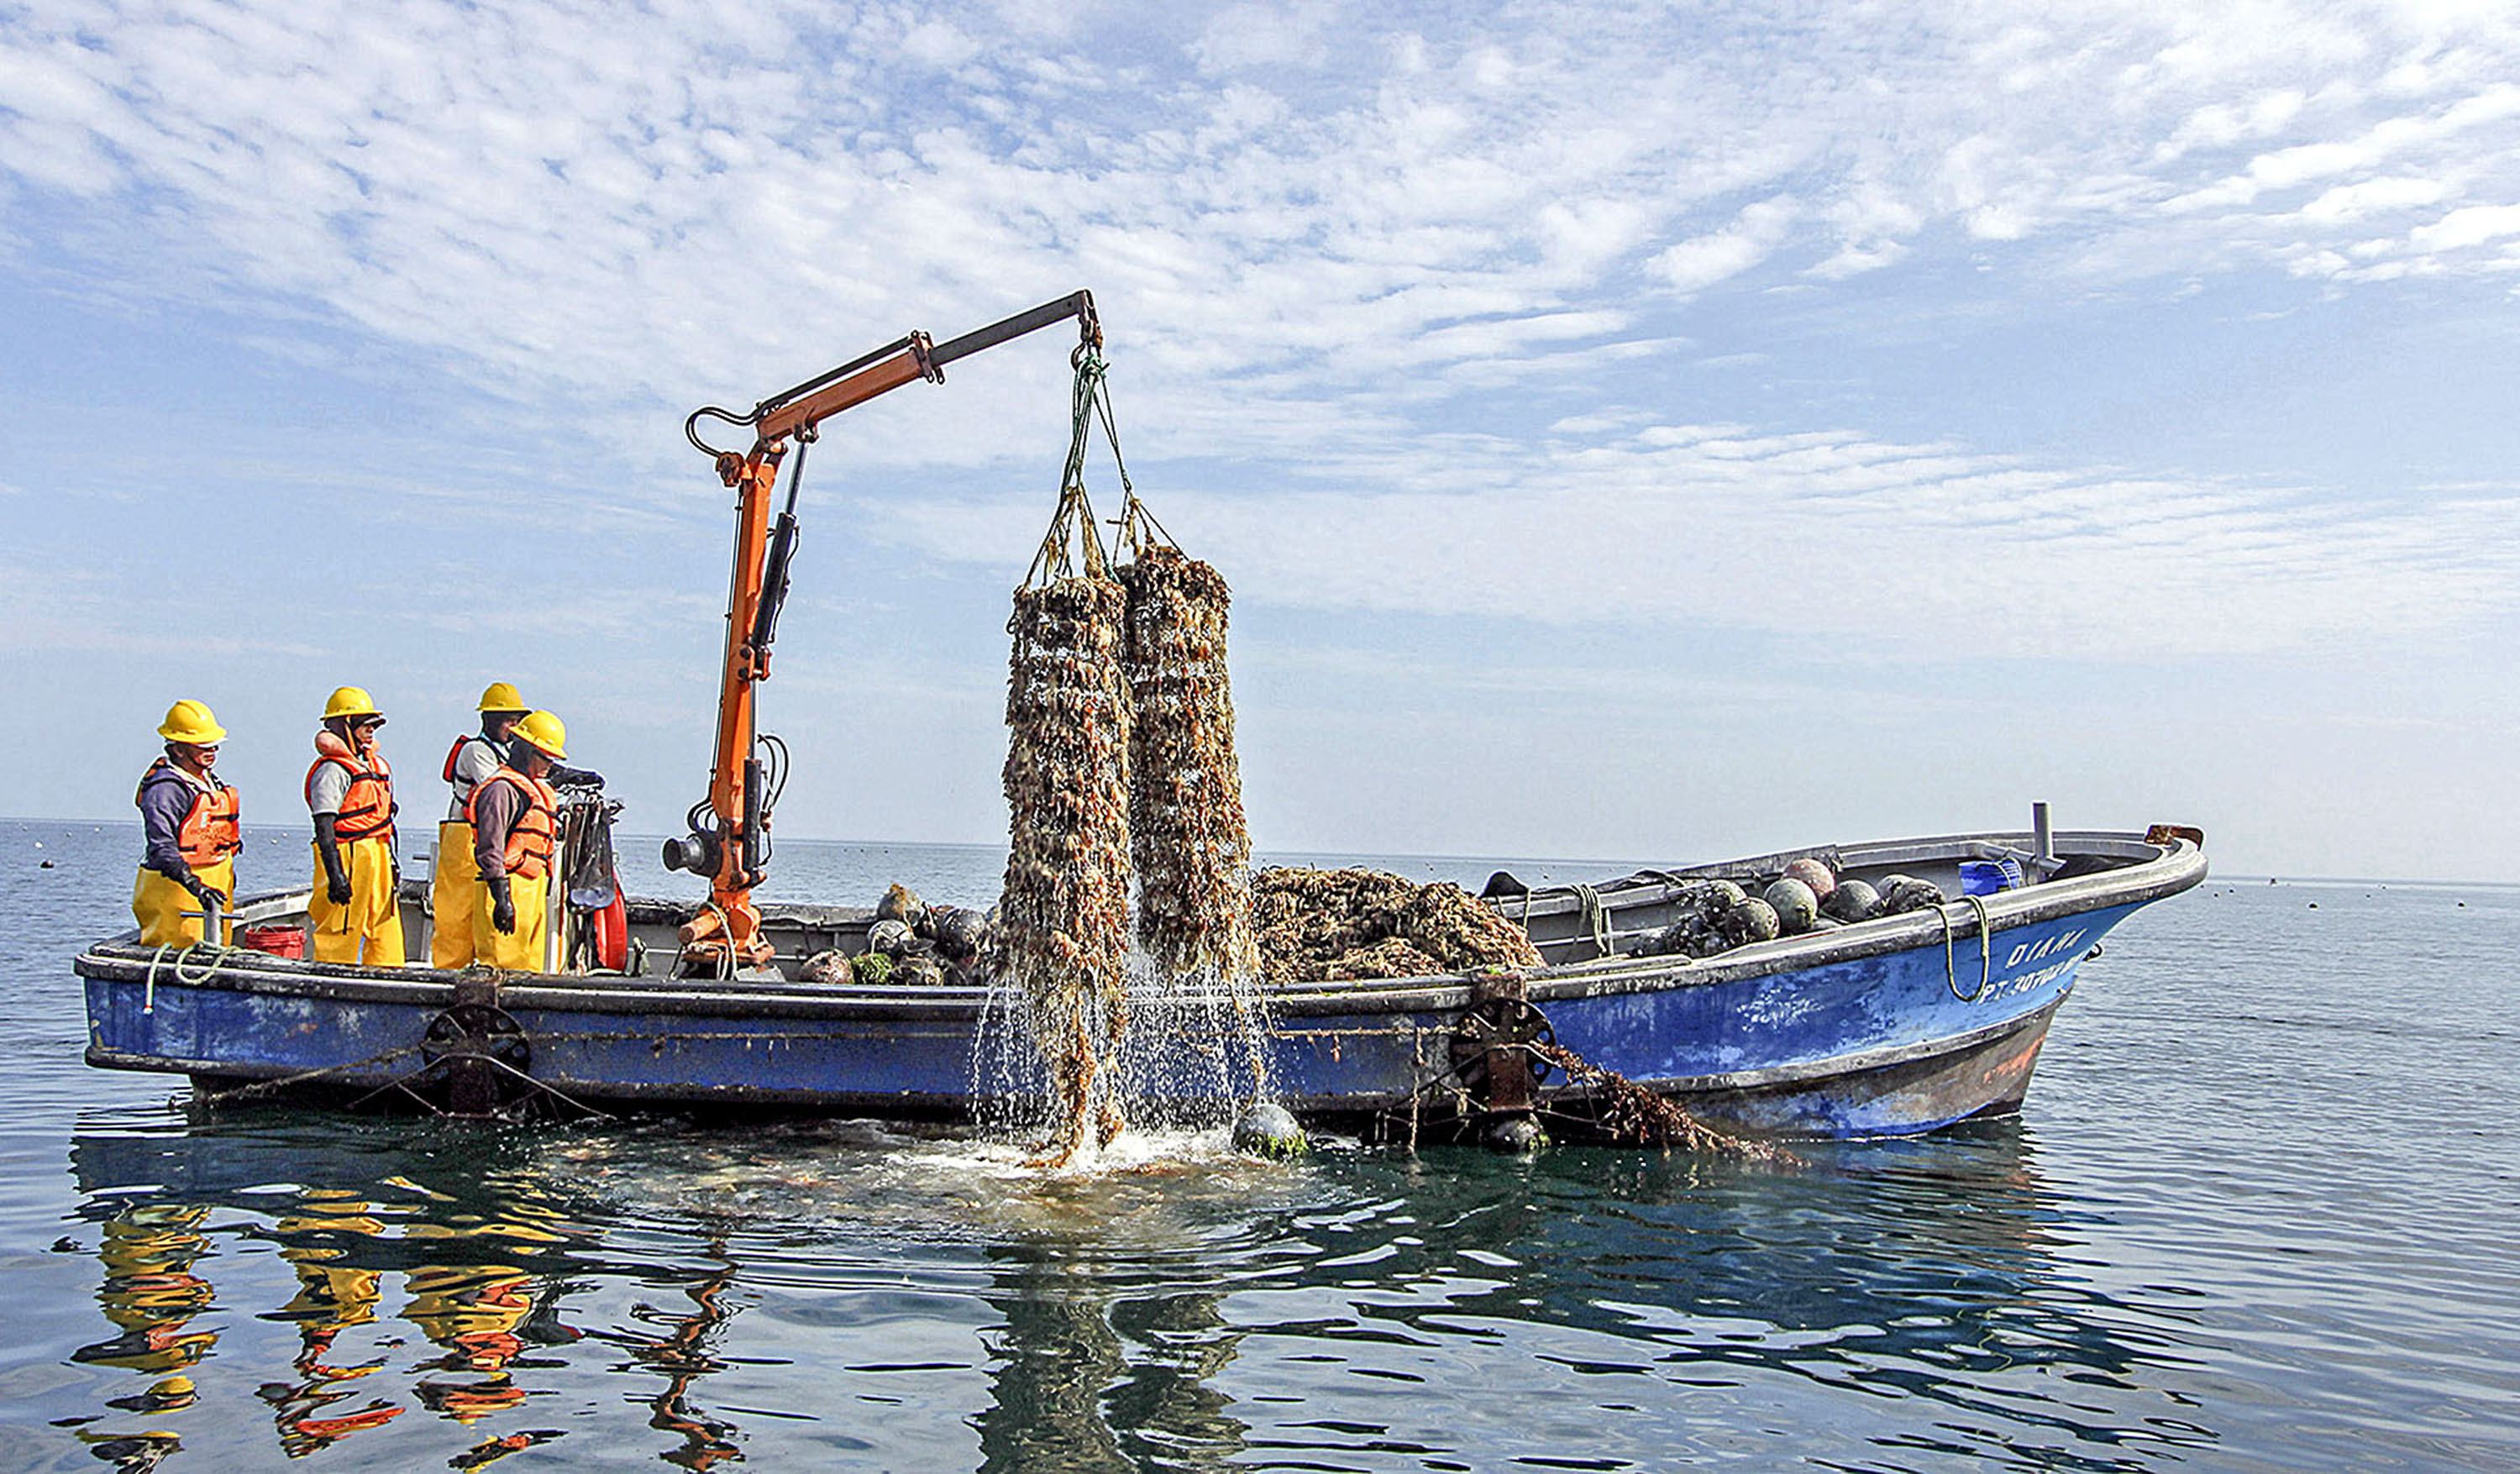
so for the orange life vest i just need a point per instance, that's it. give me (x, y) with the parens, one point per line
(535, 834)
(457, 751)
(209, 832)
(368, 808)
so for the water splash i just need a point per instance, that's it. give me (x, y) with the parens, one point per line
(1195, 1052)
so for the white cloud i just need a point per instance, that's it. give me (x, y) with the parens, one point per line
(1243, 36)
(1315, 234)
(2462, 228)
(2371, 197)
(1853, 546)
(1693, 266)
(576, 196)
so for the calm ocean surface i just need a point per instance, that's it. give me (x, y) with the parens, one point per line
(2259, 1214)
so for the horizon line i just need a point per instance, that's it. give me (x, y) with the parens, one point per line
(2268, 878)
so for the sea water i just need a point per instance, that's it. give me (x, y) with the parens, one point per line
(2258, 1214)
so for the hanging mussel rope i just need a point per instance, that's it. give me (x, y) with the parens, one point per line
(1188, 842)
(1186, 827)
(1063, 919)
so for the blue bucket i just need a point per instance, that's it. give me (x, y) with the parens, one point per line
(1984, 877)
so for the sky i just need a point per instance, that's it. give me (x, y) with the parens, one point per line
(1657, 434)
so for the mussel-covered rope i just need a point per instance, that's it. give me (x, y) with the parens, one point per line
(1064, 913)
(1631, 1112)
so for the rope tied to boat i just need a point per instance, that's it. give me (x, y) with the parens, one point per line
(1985, 950)
(1595, 918)
(722, 965)
(149, 987)
(1630, 1112)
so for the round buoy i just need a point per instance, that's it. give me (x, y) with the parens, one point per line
(1795, 906)
(893, 937)
(1518, 1135)
(1853, 901)
(1268, 1129)
(1815, 874)
(1753, 920)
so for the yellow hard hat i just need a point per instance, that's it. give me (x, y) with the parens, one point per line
(499, 696)
(351, 701)
(545, 732)
(191, 722)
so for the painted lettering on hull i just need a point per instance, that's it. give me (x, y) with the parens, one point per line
(2065, 948)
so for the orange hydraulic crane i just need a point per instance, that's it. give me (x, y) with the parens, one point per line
(729, 839)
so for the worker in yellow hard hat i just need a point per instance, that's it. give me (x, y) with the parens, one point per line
(514, 814)
(353, 914)
(192, 835)
(469, 763)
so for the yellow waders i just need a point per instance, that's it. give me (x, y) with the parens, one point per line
(522, 950)
(451, 889)
(368, 930)
(158, 905)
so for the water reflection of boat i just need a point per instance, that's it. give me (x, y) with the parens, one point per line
(1141, 1319)
(1890, 1026)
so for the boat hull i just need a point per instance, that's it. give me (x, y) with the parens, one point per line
(1893, 1027)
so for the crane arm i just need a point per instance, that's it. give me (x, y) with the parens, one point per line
(729, 839)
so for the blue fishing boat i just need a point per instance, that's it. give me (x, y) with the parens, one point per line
(1890, 1026)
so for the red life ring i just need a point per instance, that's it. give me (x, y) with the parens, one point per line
(612, 933)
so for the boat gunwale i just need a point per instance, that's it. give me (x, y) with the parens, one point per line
(2175, 867)
(1768, 1077)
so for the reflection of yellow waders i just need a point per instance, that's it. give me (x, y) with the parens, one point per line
(158, 905)
(452, 889)
(367, 928)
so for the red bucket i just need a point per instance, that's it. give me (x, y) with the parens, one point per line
(279, 941)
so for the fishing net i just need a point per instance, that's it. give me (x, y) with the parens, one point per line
(1063, 919)
(1316, 926)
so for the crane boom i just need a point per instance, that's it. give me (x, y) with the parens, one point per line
(729, 837)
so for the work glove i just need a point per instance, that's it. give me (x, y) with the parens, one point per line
(328, 848)
(208, 894)
(502, 908)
